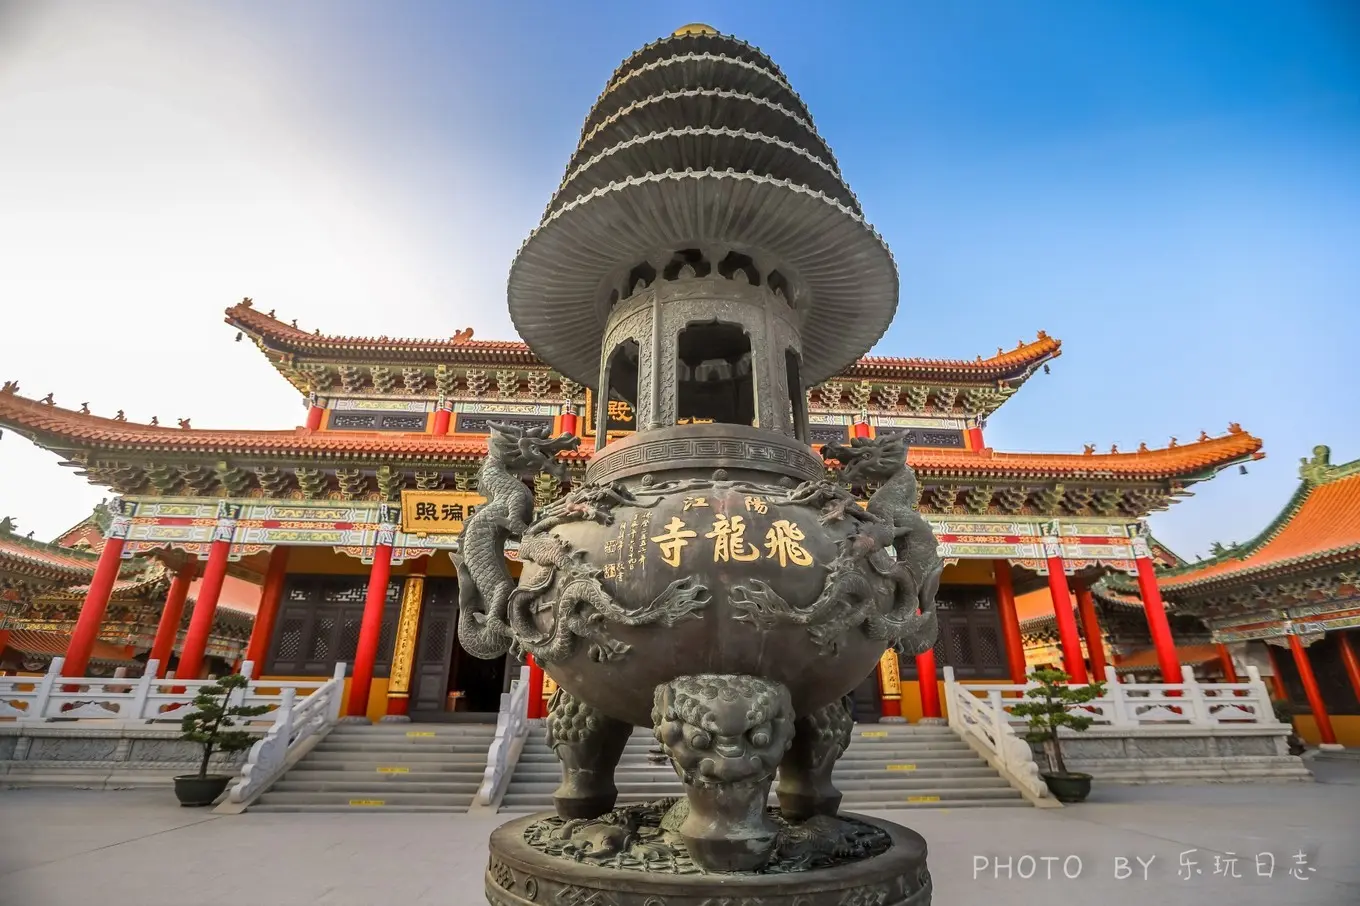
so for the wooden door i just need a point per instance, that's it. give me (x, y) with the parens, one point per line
(434, 646)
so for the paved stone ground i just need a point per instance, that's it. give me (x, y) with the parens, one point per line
(74, 848)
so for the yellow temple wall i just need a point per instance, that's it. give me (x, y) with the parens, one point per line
(1346, 727)
(377, 695)
(968, 572)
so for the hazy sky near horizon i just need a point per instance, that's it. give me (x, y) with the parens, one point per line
(1171, 187)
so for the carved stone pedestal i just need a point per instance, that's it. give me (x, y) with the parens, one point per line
(623, 861)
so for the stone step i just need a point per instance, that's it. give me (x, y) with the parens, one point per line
(841, 777)
(330, 744)
(936, 798)
(327, 807)
(343, 800)
(379, 786)
(536, 755)
(409, 731)
(415, 774)
(381, 752)
(367, 767)
(885, 783)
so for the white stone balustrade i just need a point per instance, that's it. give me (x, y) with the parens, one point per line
(296, 723)
(113, 702)
(512, 725)
(1188, 703)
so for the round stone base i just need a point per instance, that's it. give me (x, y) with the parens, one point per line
(519, 875)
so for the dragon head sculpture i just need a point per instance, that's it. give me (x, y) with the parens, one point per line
(869, 459)
(528, 451)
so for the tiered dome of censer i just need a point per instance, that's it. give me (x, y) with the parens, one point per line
(704, 262)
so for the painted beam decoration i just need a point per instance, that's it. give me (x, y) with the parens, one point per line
(433, 520)
(1080, 544)
(188, 525)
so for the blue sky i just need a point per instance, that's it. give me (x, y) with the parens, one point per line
(1171, 188)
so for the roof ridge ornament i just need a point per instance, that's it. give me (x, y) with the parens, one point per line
(1319, 469)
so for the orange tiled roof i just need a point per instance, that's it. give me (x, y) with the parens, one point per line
(1021, 360)
(65, 429)
(1321, 523)
(289, 338)
(54, 644)
(19, 555)
(1183, 461)
(61, 428)
(275, 334)
(1188, 655)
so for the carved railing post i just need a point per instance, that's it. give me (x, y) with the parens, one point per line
(143, 691)
(49, 680)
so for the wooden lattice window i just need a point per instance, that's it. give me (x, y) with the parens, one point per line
(970, 637)
(319, 623)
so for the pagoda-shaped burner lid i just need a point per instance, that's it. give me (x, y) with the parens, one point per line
(720, 157)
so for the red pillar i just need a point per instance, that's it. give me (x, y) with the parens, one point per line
(1310, 688)
(1348, 658)
(315, 412)
(927, 679)
(1010, 620)
(370, 628)
(209, 590)
(536, 707)
(569, 419)
(1090, 630)
(1073, 663)
(96, 603)
(861, 427)
(271, 593)
(975, 437)
(442, 415)
(1158, 625)
(167, 632)
(1229, 669)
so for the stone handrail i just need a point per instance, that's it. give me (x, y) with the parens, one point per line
(295, 724)
(1188, 703)
(512, 725)
(115, 700)
(985, 720)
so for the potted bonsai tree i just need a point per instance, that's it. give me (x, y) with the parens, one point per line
(1048, 708)
(209, 725)
(1284, 713)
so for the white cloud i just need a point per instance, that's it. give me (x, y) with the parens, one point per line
(155, 167)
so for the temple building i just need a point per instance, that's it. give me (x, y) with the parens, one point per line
(1287, 601)
(331, 540)
(43, 585)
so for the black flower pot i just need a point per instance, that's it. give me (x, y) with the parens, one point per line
(194, 791)
(1068, 787)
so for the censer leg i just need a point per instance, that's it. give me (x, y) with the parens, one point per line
(589, 744)
(725, 735)
(820, 738)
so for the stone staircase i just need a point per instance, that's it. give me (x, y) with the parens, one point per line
(394, 767)
(887, 766)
